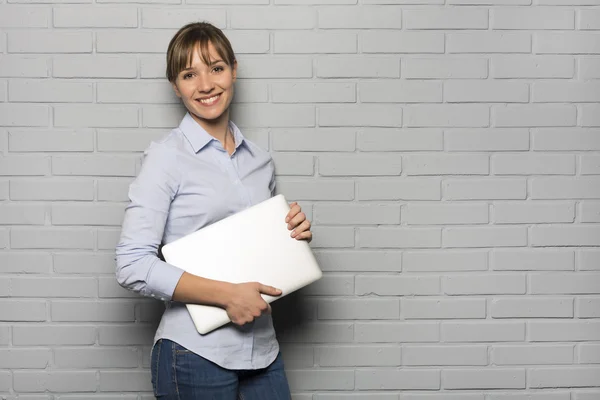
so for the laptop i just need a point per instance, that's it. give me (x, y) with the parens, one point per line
(264, 252)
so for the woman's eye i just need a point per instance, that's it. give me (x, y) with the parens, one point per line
(218, 69)
(187, 76)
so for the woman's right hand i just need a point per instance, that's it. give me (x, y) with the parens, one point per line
(246, 304)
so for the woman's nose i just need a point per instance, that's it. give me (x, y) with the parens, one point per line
(204, 84)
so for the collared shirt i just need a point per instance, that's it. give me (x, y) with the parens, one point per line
(188, 181)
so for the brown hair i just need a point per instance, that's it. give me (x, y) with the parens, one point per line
(181, 46)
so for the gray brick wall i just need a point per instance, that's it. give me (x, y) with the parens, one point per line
(447, 152)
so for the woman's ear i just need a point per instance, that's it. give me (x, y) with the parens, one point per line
(176, 89)
(234, 73)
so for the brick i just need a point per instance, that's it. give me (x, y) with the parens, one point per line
(392, 139)
(318, 2)
(4, 190)
(163, 116)
(508, 236)
(488, 42)
(125, 335)
(55, 381)
(24, 115)
(78, 358)
(295, 356)
(130, 381)
(133, 41)
(51, 335)
(321, 92)
(563, 92)
(525, 66)
(447, 115)
(109, 288)
(359, 261)
(293, 164)
(94, 66)
(589, 260)
(402, 189)
(22, 311)
(359, 165)
(249, 42)
(113, 190)
(363, 66)
(533, 164)
(25, 358)
(588, 353)
(108, 238)
(396, 285)
(274, 115)
(479, 331)
(448, 68)
(175, 18)
(319, 139)
(558, 139)
(533, 212)
(3, 238)
(136, 92)
(414, 355)
(51, 189)
(362, 18)
(22, 214)
(397, 379)
(565, 188)
(333, 236)
(534, 115)
(94, 165)
(450, 18)
(492, 139)
(536, 18)
(81, 311)
(274, 67)
(84, 263)
(489, 378)
(393, 91)
(533, 260)
(565, 235)
(587, 307)
(42, 41)
(24, 165)
(358, 356)
(442, 308)
(51, 238)
(544, 307)
(356, 214)
(321, 379)
(320, 332)
(95, 115)
(23, 17)
(444, 261)
(379, 41)
(589, 164)
(365, 308)
(564, 283)
(382, 115)
(484, 284)
(25, 262)
(539, 331)
(585, 395)
(18, 66)
(399, 237)
(331, 285)
(275, 18)
(589, 211)
(314, 42)
(566, 43)
(467, 91)
(316, 190)
(590, 115)
(568, 377)
(95, 17)
(450, 164)
(54, 287)
(54, 140)
(87, 214)
(442, 214)
(589, 68)
(532, 354)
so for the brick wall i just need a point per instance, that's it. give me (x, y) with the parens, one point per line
(448, 154)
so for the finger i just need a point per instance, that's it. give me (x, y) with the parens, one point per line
(307, 235)
(297, 220)
(270, 290)
(295, 209)
(304, 226)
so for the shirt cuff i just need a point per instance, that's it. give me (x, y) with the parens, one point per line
(163, 279)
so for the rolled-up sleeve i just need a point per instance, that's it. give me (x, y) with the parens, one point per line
(138, 267)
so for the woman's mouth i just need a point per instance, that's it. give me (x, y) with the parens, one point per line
(207, 102)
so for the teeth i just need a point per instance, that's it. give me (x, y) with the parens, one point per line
(207, 101)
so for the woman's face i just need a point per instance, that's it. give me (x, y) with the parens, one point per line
(206, 90)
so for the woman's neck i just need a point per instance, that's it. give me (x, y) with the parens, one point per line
(218, 128)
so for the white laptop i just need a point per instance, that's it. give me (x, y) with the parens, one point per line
(253, 245)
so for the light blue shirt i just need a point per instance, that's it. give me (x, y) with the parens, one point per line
(188, 181)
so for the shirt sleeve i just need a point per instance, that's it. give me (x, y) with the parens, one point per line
(138, 267)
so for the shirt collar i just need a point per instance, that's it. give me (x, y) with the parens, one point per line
(199, 138)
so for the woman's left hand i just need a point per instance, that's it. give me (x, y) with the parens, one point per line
(298, 224)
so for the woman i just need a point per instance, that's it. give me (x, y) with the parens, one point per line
(201, 172)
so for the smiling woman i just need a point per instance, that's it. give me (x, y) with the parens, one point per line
(200, 172)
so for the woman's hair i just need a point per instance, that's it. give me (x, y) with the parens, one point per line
(185, 41)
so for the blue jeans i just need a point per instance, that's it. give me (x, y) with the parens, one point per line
(179, 374)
